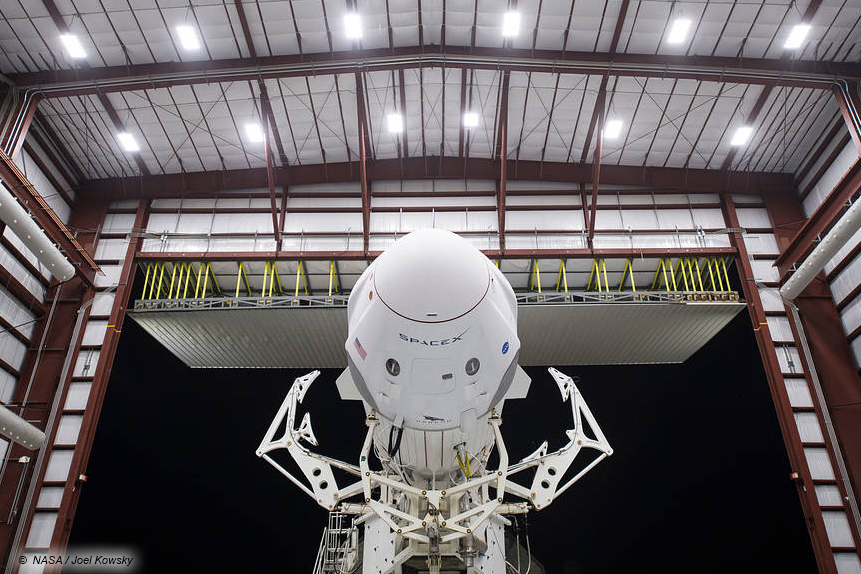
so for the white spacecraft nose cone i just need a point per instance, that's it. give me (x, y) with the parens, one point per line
(431, 285)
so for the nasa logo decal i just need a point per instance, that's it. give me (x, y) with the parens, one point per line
(505, 347)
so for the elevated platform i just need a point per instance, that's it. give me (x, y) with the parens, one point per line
(559, 329)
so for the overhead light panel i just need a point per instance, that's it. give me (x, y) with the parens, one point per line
(395, 122)
(511, 24)
(612, 129)
(73, 46)
(470, 120)
(679, 31)
(254, 133)
(128, 142)
(796, 36)
(741, 136)
(188, 37)
(352, 25)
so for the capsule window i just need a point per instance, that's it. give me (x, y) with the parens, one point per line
(472, 366)
(393, 367)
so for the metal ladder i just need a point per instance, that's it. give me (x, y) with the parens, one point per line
(335, 545)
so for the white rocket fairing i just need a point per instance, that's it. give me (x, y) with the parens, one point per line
(432, 351)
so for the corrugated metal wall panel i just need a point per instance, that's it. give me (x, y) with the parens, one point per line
(799, 393)
(837, 527)
(847, 563)
(808, 427)
(819, 463)
(612, 333)
(830, 178)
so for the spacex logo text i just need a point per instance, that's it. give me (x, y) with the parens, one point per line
(432, 342)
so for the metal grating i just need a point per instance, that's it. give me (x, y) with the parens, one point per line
(300, 333)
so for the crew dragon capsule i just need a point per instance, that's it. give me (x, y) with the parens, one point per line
(432, 352)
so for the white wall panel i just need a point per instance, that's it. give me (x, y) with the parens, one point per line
(764, 271)
(68, 429)
(779, 329)
(846, 280)
(809, 428)
(58, 465)
(103, 304)
(112, 249)
(771, 299)
(837, 527)
(44, 186)
(742, 199)
(50, 497)
(124, 204)
(240, 223)
(675, 219)
(78, 395)
(843, 251)
(16, 313)
(850, 316)
(539, 200)
(530, 220)
(120, 222)
(329, 202)
(639, 219)
(828, 495)
(819, 463)
(94, 333)
(847, 563)
(12, 350)
(709, 218)
(761, 244)
(830, 178)
(111, 276)
(7, 386)
(545, 241)
(162, 222)
(85, 363)
(431, 202)
(41, 529)
(790, 361)
(295, 222)
(855, 345)
(754, 218)
(194, 223)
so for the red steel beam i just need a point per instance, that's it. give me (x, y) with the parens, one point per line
(795, 73)
(363, 164)
(688, 180)
(825, 216)
(850, 106)
(270, 179)
(783, 408)
(596, 164)
(502, 158)
(14, 140)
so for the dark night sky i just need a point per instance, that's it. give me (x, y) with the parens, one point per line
(698, 482)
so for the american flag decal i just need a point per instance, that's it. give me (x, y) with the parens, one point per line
(360, 349)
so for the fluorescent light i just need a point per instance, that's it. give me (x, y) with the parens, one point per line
(511, 24)
(188, 37)
(741, 136)
(470, 120)
(352, 25)
(128, 142)
(679, 31)
(612, 129)
(395, 123)
(254, 133)
(797, 36)
(73, 46)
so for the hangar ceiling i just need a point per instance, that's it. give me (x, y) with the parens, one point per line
(431, 62)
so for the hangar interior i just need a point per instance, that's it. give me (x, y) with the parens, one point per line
(649, 169)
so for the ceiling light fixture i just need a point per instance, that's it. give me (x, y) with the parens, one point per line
(254, 133)
(395, 123)
(612, 129)
(796, 36)
(352, 25)
(741, 136)
(188, 37)
(470, 120)
(73, 46)
(511, 24)
(128, 142)
(679, 31)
